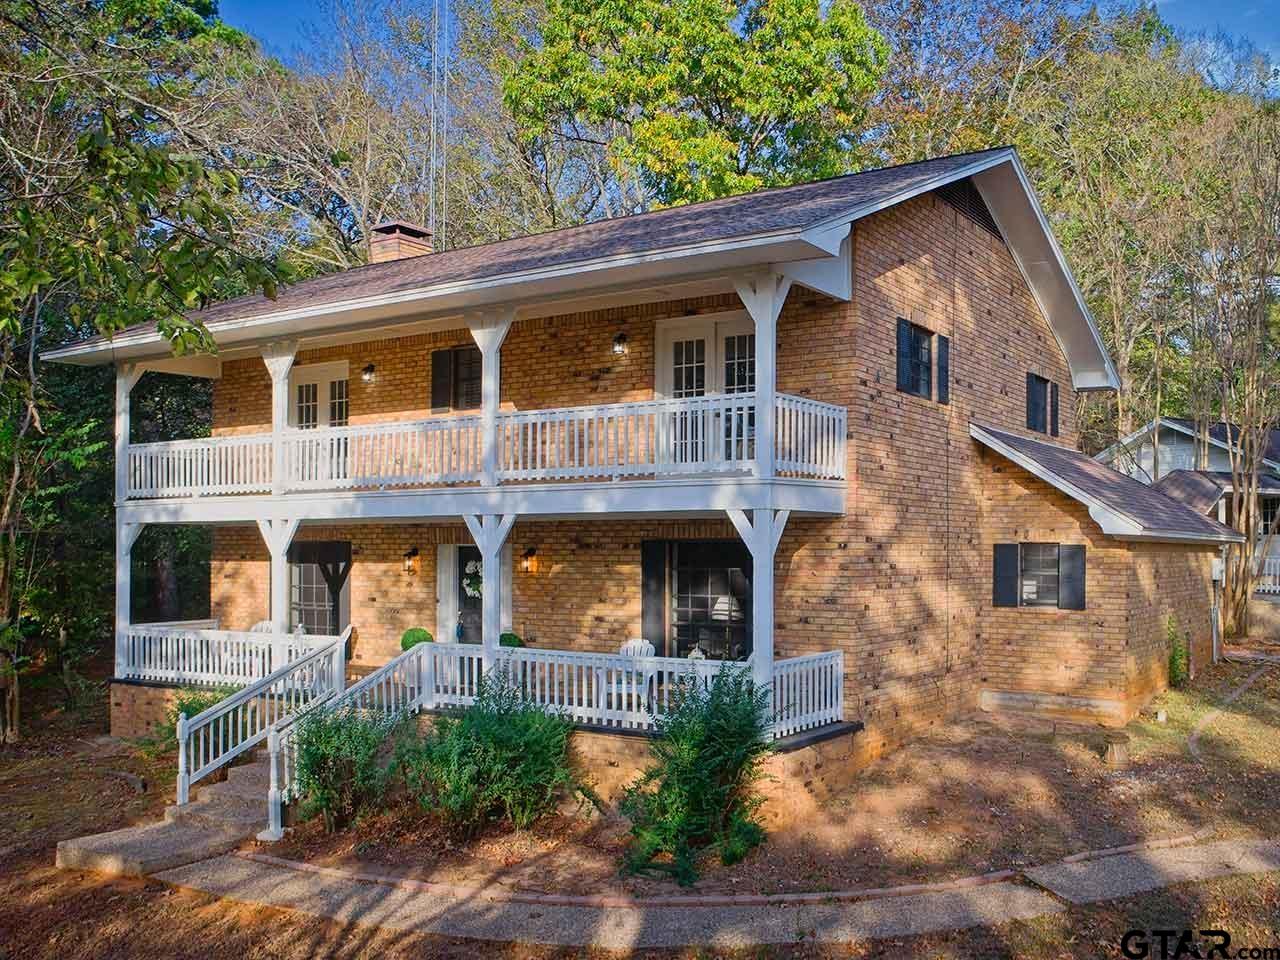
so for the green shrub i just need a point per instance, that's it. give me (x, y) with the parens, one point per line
(510, 640)
(501, 758)
(699, 795)
(1179, 657)
(340, 771)
(190, 701)
(414, 636)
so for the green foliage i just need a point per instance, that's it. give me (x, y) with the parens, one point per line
(704, 98)
(699, 794)
(1179, 654)
(414, 636)
(501, 758)
(188, 702)
(340, 771)
(510, 640)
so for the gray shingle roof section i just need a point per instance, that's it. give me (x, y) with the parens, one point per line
(1157, 515)
(1198, 489)
(763, 212)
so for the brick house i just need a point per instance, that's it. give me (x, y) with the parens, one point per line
(826, 429)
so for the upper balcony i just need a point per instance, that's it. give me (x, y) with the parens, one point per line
(704, 436)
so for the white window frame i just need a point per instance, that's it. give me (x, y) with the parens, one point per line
(713, 327)
(321, 374)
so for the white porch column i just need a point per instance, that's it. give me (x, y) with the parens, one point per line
(126, 537)
(278, 534)
(761, 533)
(279, 360)
(763, 294)
(489, 329)
(490, 532)
(127, 375)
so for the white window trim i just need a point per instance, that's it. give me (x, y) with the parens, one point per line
(320, 374)
(667, 328)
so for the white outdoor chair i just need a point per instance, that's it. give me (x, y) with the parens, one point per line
(639, 647)
(262, 626)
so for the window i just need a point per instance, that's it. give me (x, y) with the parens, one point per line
(456, 378)
(339, 403)
(1038, 575)
(696, 594)
(308, 409)
(1042, 405)
(915, 359)
(1270, 507)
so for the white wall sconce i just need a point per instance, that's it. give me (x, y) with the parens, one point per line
(620, 346)
(529, 560)
(412, 561)
(368, 373)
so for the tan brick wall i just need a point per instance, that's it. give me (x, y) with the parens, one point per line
(137, 710)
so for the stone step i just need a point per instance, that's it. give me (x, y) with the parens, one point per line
(244, 791)
(222, 813)
(256, 775)
(139, 851)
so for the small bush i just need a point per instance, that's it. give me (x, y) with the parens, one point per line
(510, 640)
(1179, 657)
(189, 701)
(699, 794)
(340, 772)
(414, 636)
(501, 758)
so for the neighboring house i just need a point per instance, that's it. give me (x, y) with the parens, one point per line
(1205, 490)
(830, 428)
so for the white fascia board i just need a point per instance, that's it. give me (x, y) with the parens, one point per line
(1109, 454)
(704, 497)
(457, 296)
(202, 365)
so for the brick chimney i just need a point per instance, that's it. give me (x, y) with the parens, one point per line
(398, 240)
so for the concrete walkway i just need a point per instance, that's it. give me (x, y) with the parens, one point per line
(412, 907)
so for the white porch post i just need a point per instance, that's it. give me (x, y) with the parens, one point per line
(127, 375)
(490, 532)
(278, 534)
(763, 294)
(761, 533)
(279, 360)
(489, 329)
(126, 537)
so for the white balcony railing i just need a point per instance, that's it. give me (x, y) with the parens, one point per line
(713, 434)
(1269, 575)
(168, 653)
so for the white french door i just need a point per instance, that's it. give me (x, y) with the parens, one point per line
(319, 397)
(703, 357)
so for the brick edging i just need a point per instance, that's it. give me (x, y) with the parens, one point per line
(493, 895)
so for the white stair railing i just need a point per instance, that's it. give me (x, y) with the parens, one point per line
(214, 737)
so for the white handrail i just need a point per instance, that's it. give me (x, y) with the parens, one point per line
(714, 433)
(214, 737)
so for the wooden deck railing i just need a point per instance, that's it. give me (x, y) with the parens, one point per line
(711, 434)
(181, 654)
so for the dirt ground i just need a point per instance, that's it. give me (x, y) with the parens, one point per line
(978, 796)
(61, 783)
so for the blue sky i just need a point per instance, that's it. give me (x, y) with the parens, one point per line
(277, 22)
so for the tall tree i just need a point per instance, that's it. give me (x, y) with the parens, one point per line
(695, 99)
(113, 211)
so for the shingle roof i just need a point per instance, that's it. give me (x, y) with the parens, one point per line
(1157, 516)
(763, 212)
(1202, 489)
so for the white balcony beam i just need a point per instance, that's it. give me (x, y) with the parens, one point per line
(279, 359)
(126, 536)
(761, 532)
(489, 531)
(489, 329)
(763, 293)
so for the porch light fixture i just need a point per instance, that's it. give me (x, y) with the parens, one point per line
(367, 373)
(411, 560)
(529, 560)
(620, 347)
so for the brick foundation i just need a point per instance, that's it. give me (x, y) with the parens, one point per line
(138, 709)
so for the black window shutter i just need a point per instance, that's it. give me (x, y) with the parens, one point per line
(1031, 401)
(904, 355)
(653, 593)
(944, 369)
(1004, 575)
(1053, 409)
(441, 379)
(1071, 577)
(467, 372)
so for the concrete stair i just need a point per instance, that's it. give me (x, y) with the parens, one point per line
(222, 816)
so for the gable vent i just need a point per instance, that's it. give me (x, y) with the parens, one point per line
(964, 196)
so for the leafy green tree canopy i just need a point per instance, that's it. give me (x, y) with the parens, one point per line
(704, 98)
